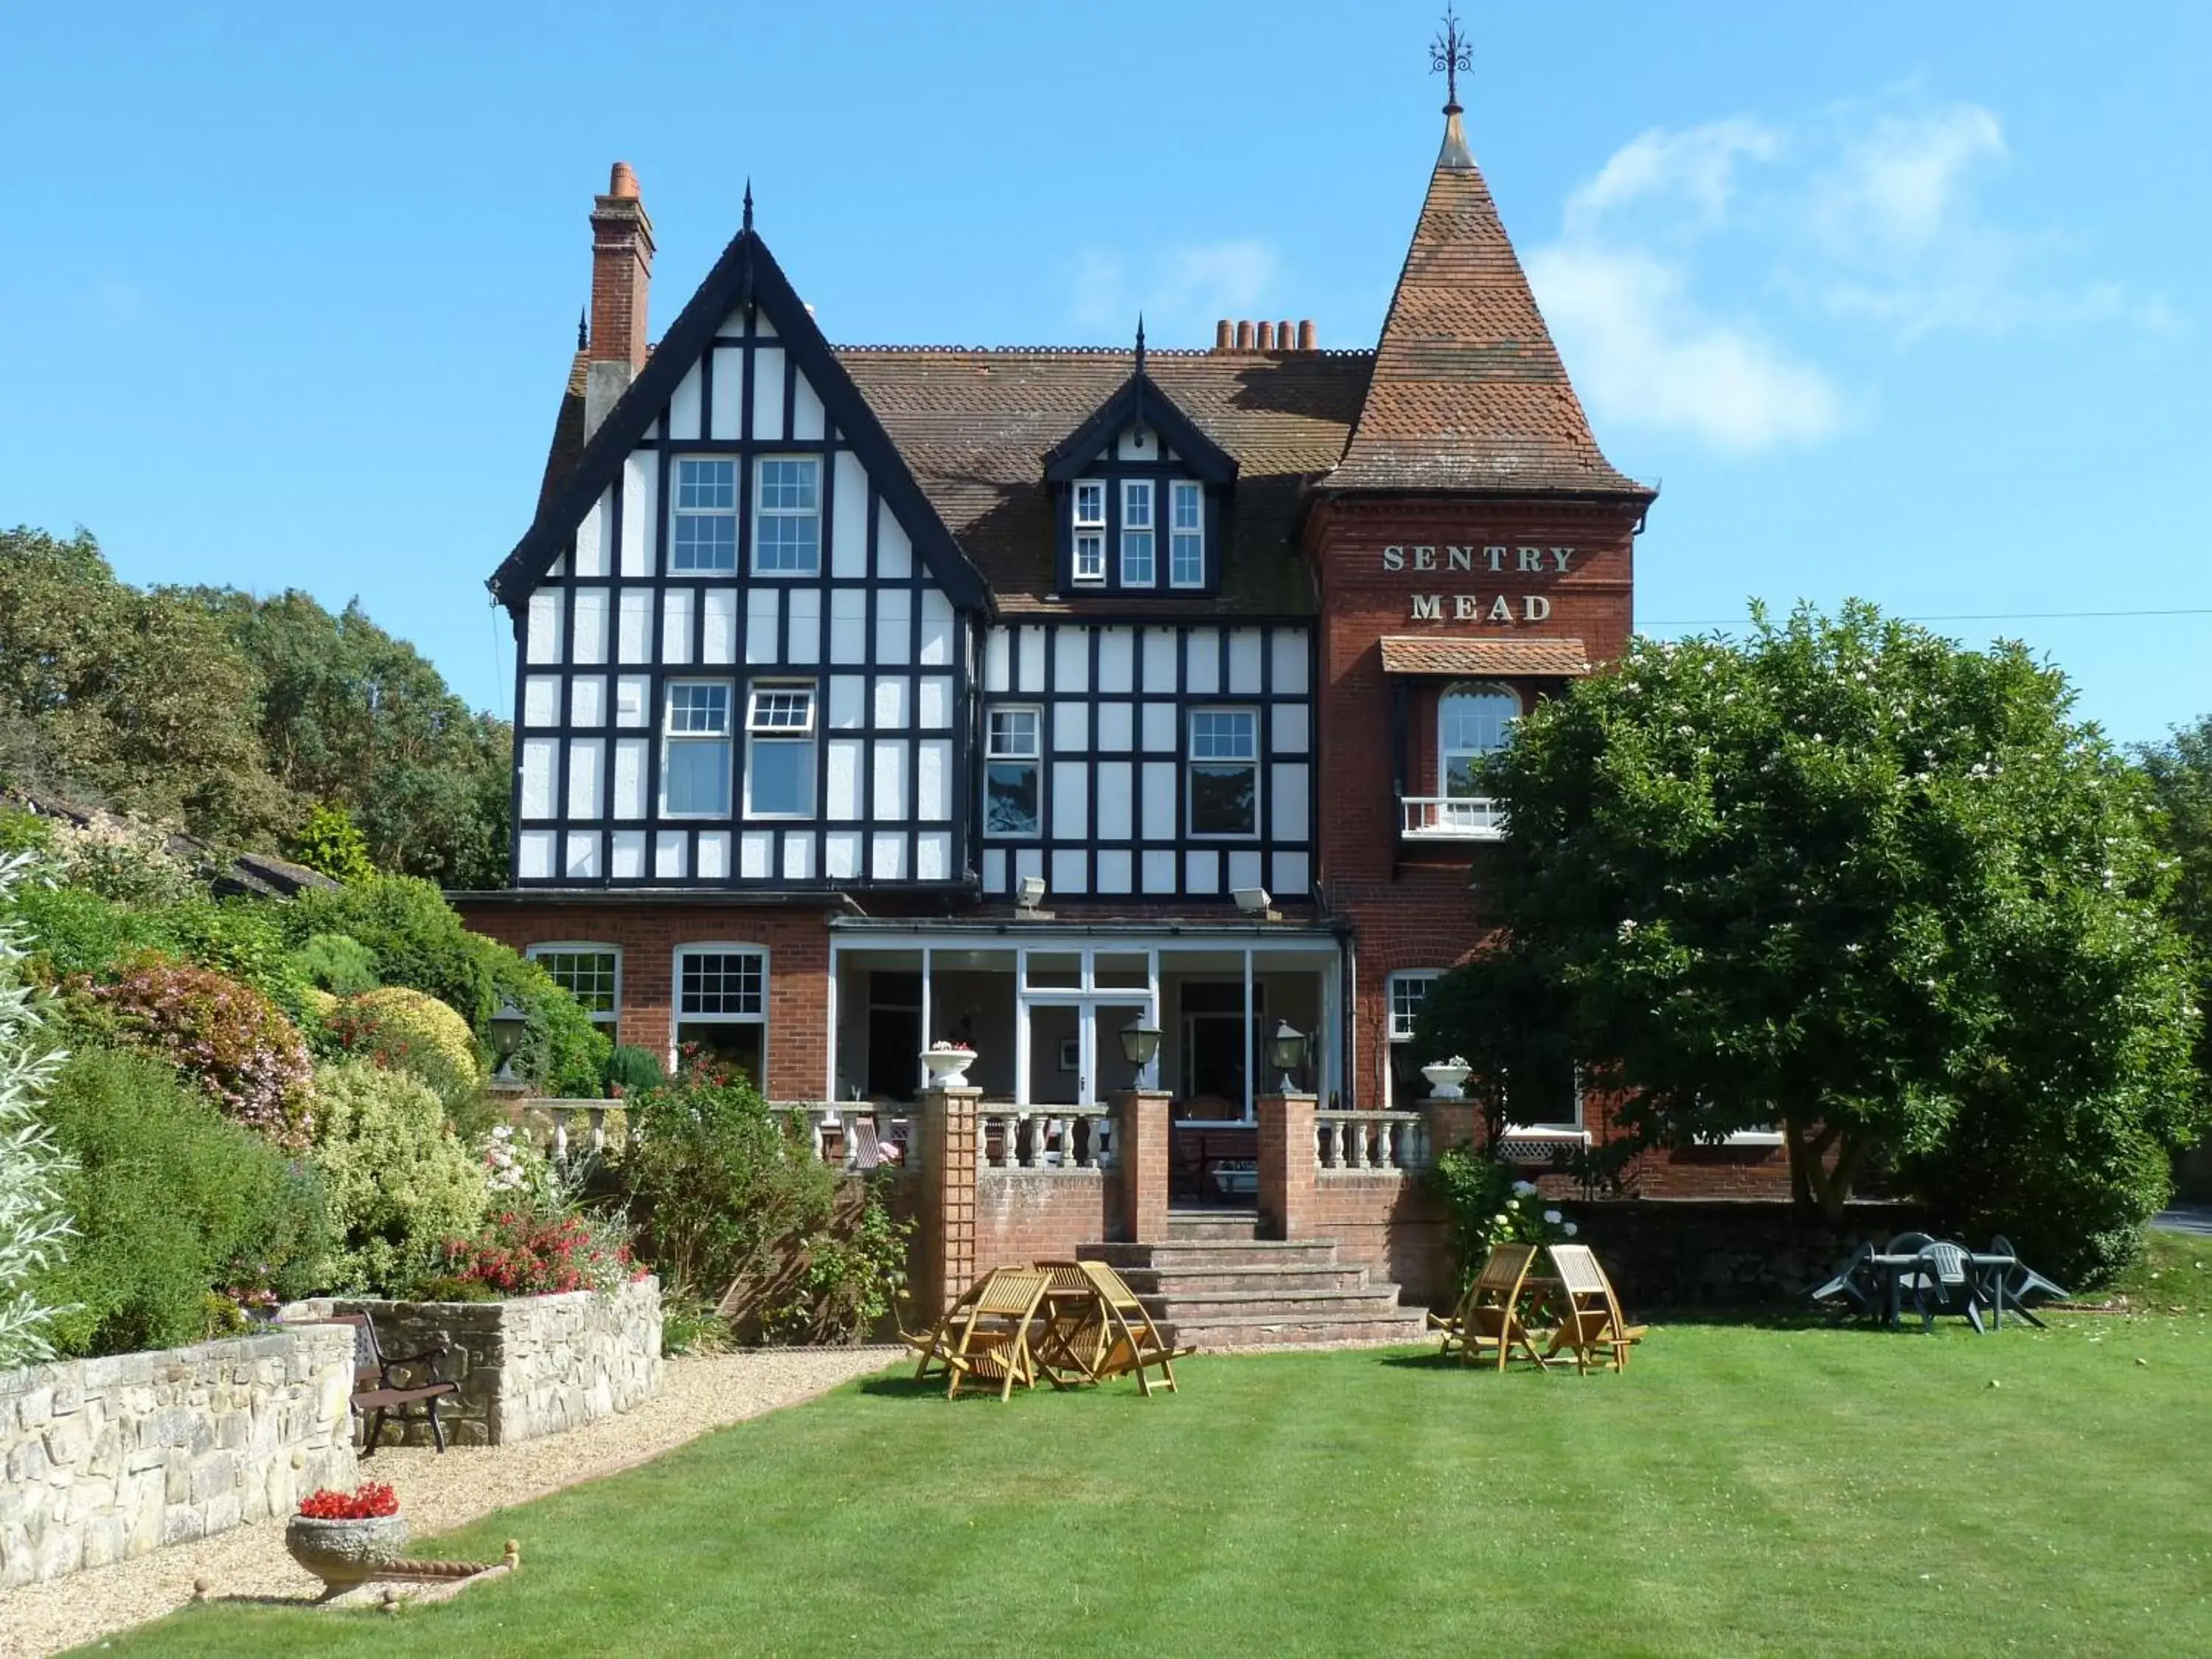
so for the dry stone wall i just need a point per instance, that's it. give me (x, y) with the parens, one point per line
(105, 1459)
(531, 1366)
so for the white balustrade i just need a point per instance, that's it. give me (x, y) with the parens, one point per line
(569, 1117)
(1043, 1139)
(1371, 1140)
(1451, 818)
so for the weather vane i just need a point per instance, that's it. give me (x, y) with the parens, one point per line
(1449, 52)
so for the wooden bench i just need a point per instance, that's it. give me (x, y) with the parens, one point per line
(380, 1384)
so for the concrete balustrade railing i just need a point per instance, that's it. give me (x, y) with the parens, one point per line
(1371, 1140)
(1063, 1138)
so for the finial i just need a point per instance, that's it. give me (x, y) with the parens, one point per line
(749, 204)
(1140, 343)
(1449, 52)
(583, 328)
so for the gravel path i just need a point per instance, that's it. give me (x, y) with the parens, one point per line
(436, 1494)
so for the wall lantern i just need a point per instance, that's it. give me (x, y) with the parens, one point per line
(1287, 1050)
(508, 1026)
(1141, 1046)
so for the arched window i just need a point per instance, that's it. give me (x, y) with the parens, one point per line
(1471, 721)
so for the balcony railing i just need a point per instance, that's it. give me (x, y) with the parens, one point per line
(1452, 818)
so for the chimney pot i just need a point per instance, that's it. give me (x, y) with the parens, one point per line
(1244, 337)
(1308, 339)
(1283, 335)
(1225, 334)
(622, 182)
(622, 278)
(1266, 337)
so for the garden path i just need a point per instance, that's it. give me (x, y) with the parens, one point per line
(437, 1493)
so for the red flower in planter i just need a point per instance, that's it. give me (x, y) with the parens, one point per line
(366, 1502)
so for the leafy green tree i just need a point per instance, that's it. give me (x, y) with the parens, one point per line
(139, 697)
(1851, 878)
(331, 841)
(2180, 773)
(350, 715)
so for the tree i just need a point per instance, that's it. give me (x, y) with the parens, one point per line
(2181, 773)
(350, 715)
(137, 697)
(1849, 878)
(331, 841)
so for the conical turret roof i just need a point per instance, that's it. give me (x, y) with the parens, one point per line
(1469, 392)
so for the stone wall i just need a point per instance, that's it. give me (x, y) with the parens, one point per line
(1719, 1253)
(530, 1366)
(105, 1459)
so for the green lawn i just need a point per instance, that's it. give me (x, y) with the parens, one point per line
(1741, 1490)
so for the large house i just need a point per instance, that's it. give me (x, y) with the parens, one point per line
(870, 696)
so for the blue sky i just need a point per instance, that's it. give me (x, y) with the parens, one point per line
(1894, 300)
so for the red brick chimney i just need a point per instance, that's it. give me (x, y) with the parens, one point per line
(622, 274)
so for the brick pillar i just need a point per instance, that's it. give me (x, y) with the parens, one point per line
(946, 1229)
(1286, 1165)
(1451, 1123)
(1140, 1145)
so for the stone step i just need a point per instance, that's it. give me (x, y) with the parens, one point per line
(1215, 1253)
(1213, 1224)
(1368, 1302)
(1179, 1280)
(1302, 1330)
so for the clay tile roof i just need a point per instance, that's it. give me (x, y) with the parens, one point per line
(975, 426)
(1421, 653)
(1469, 391)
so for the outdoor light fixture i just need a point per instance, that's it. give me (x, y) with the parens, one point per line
(1286, 1049)
(1029, 893)
(508, 1026)
(1141, 1046)
(1255, 901)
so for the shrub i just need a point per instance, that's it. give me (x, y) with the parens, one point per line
(634, 1069)
(171, 1201)
(419, 942)
(721, 1181)
(400, 1180)
(1490, 1204)
(73, 931)
(331, 841)
(226, 1037)
(404, 1030)
(122, 859)
(33, 1224)
(851, 1275)
(536, 1252)
(334, 963)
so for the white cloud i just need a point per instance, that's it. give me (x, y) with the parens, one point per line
(1698, 166)
(1645, 355)
(1902, 181)
(1181, 291)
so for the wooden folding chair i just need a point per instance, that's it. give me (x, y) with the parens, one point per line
(1130, 1341)
(986, 1333)
(1489, 1316)
(1590, 1314)
(1072, 1335)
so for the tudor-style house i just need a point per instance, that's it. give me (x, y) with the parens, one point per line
(869, 695)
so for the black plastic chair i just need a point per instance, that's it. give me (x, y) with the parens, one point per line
(1851, 1285)
(1944, 1277)
(2022, 1281)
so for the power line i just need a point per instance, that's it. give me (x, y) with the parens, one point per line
(1956, 616)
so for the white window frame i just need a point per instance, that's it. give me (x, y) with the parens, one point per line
(678, 513)
(762, 514)
(1427, 976)
(807, 735)
(611, 1017)
(1179, 490)
(1193, 759)
(679, 1017)
(1035, 758)
(1145, 527)
(1091, 531)
(670, 738)
(1446, 753)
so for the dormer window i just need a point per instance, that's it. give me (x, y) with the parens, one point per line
(1090, 530)
(1187, 535)
(1137, 570)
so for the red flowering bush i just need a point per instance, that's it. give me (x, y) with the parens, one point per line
(366, 1502)
(226, 1037)
(521, 1253)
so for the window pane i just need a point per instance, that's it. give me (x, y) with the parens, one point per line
(1090, 503)
(698, 778)
(781, 778)
(1224, 734)
(788, 485)
(1407, 993)
(1014, 733)
(1186, 561)
(1188, 504)
(1091, 556)
(1137, 558)
(1054, 971)
(699, 709)
(789, 709)
(1224, 800)
(587, 975)
(787, 516)
(725, 982)
(706, 542)
(1137, 504)
(1010, 798)
(790, 542)
(707, 486)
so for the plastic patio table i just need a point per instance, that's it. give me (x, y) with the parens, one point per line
(1988, 1271)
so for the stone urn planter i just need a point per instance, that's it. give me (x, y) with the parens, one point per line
(1445, 1078)
(346, 1553)
(948, 1067)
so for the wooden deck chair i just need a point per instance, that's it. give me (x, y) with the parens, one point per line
(1590, 1314)
(987, 1334)
(1132, 1342)
(1071, 1339)
(1489, 1316)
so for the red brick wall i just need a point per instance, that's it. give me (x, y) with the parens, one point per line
(1042, 1215)
(1388, 1221)
(797, 942)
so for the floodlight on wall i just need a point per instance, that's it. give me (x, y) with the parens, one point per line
(1029, 893)
(1256, 902)
(1286, 1049)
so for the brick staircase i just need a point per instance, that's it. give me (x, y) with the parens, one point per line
(1211, 1284)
